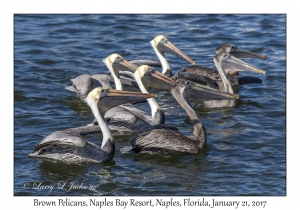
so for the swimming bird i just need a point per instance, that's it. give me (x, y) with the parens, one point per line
(84, 83)
(238, 52)
(129, 118)
(224, 60)
(166, 141)
(69, 145)
(231, 74)
(162, 45)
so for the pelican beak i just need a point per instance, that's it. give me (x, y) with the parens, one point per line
(197, 92)
(124, 65)
(122, 93)
(240, 53)
(168, 47)
(160, 76)
(235, 64)
(157, 80)
(115, 98)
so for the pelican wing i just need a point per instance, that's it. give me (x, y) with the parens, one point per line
(59, 142)
(203, 80)
(163, 141)
(70, 148)
(101, 80)
(128, 118)
(204, 71)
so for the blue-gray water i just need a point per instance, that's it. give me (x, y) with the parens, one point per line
(246, 153)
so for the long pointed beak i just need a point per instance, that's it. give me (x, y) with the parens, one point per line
(240, 53)
(162, 77)
(124, 66)
(214, 91)
(236, 64)
(119, 97)
(197, 92)
(168, 47)
(157, 81)
(116, 93)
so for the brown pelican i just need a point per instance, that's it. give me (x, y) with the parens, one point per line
(69, 146)
(165, 141)
(129, 118)
(214, 75)
(224, 60)
(84, 83)
(162, 45)
(116, 63)
(238, 52)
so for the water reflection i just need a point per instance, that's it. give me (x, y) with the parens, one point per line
(64, 171)
(77, 105)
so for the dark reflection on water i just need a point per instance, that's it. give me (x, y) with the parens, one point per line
(246, 151)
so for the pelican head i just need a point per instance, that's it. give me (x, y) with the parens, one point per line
(196, 92)
(152, 78)
(162, 45)
(165, 46)
(116, 63)
(239, 53)
(229, 62)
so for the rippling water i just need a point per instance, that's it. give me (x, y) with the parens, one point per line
(246, 153)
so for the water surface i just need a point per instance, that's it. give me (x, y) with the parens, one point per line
(246, 153)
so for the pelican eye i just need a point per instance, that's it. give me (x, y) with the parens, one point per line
(151, 70)
(119, 59)
(189, 84)
(163, 41)
(44, 150)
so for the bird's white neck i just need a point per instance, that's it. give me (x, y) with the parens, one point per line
(165, 65)
(102, 124)
(152, 102)
(117, 80)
